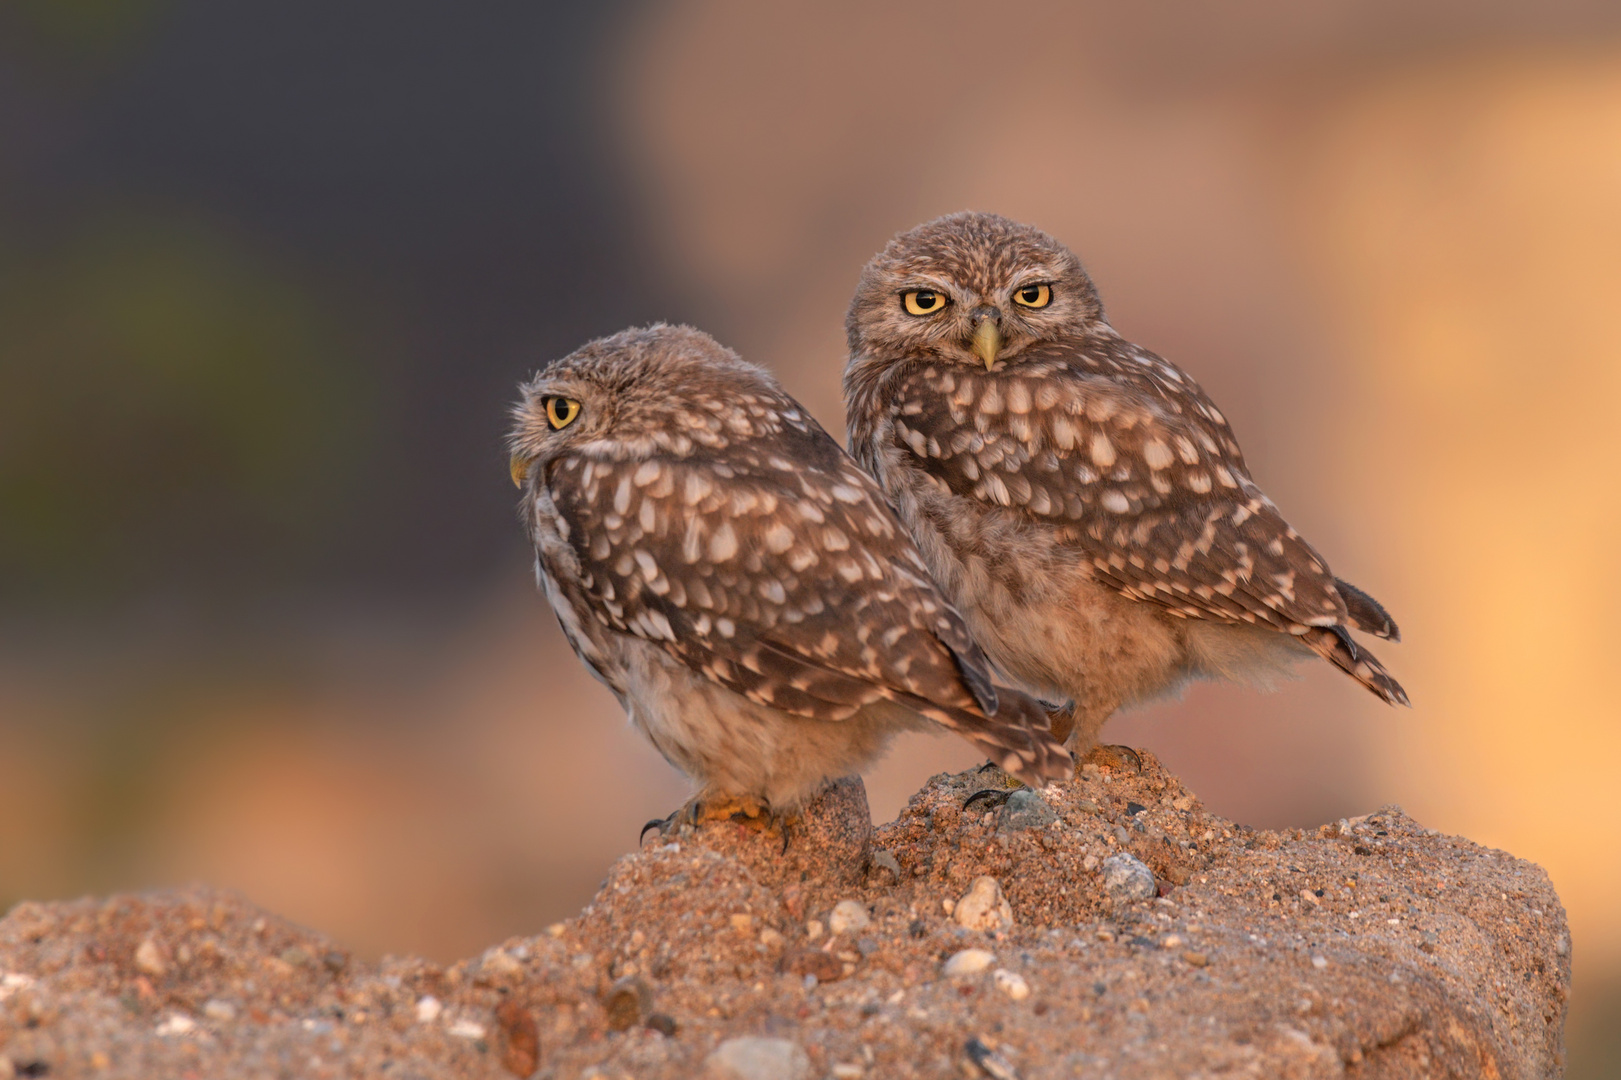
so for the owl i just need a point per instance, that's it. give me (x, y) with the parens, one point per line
(737, 581)
(1080, 500)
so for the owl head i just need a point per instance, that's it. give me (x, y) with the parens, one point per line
(970, 287)
(660, 390)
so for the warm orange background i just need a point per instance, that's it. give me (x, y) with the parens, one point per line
(1387, 238)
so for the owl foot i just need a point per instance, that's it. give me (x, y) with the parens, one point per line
(1111, 756)
(993, 797)
(751, 813)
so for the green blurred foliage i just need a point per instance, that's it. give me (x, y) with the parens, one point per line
(168, 405)
(85, 26)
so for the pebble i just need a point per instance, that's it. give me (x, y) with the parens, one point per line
(983, 907)
(848, 1072)
(756, 1058)
(1026, 809)
(969, 962)
(222, 1011)
(884, 859)
(813, 929)
(499, 964)
(771, 939)
(1171, 941)
(1319, 962)
(176, 1024)
(467, 1029)
(428, 1009)
(1011, 983)
(1126, 877)
(848, 916)
(1196, 959)
(149, 958)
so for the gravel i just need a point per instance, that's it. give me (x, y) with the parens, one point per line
(1417, 954)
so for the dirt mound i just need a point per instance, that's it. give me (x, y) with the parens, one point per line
(1107, 926)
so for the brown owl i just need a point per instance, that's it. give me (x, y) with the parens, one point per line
(739, 583)
(1080, 499)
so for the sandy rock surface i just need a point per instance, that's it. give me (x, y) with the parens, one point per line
(1147, 939)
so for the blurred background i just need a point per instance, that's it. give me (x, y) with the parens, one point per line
(270, 273)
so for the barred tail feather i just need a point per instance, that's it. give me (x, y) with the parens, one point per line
(1367, 614)
(1016, 738)
(1335, 644)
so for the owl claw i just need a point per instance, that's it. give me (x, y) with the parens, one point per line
(993, 797)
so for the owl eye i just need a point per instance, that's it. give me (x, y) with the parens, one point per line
(924, 301)
(1033, 296)
(561, 412)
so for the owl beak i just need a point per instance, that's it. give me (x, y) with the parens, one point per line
(519, 465)
(987, 341)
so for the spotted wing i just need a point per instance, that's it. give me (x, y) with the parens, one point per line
(1136, 472)
(777, 571)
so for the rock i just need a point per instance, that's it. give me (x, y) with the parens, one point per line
(1025, 809)
(1126, 877)
(220, 1011)
(499, 965)
(626, 1002)
(150, 959)
(848, 916)
(1011, 983)
(1220, 976)
(983, 907)
(754, 1058)
(968, 962)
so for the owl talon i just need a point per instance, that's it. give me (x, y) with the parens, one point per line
(994, 797)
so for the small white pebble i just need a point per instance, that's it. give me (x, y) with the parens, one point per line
(813, 929)
(428, 1009)
(949, 905)
(499, 964)
(1393, 922)
(1012, 984)
(1090, 862)
(969, 962)
(848, 916)
(467, 1029)
(149, 958)
(176, 1024)
(770, 938)
(1319, 962)
(556, 929)
(848, 1072)
(222, 1011)
(1171, 941)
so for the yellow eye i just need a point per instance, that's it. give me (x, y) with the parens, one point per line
(1033, 296)
(561, 412)
(924, 301)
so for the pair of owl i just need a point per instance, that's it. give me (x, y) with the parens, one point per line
(1037, 500)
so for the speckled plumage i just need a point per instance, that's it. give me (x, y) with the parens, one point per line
(1081, 500)
(723, 566)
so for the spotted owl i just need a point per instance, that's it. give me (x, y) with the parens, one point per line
(1081, 500)
(736, 580)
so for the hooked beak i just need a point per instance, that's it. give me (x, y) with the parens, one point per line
(519, 466)
(987, 341)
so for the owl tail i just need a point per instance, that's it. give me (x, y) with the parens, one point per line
(1367, 614)
(1017, 738)
(1335, 644)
